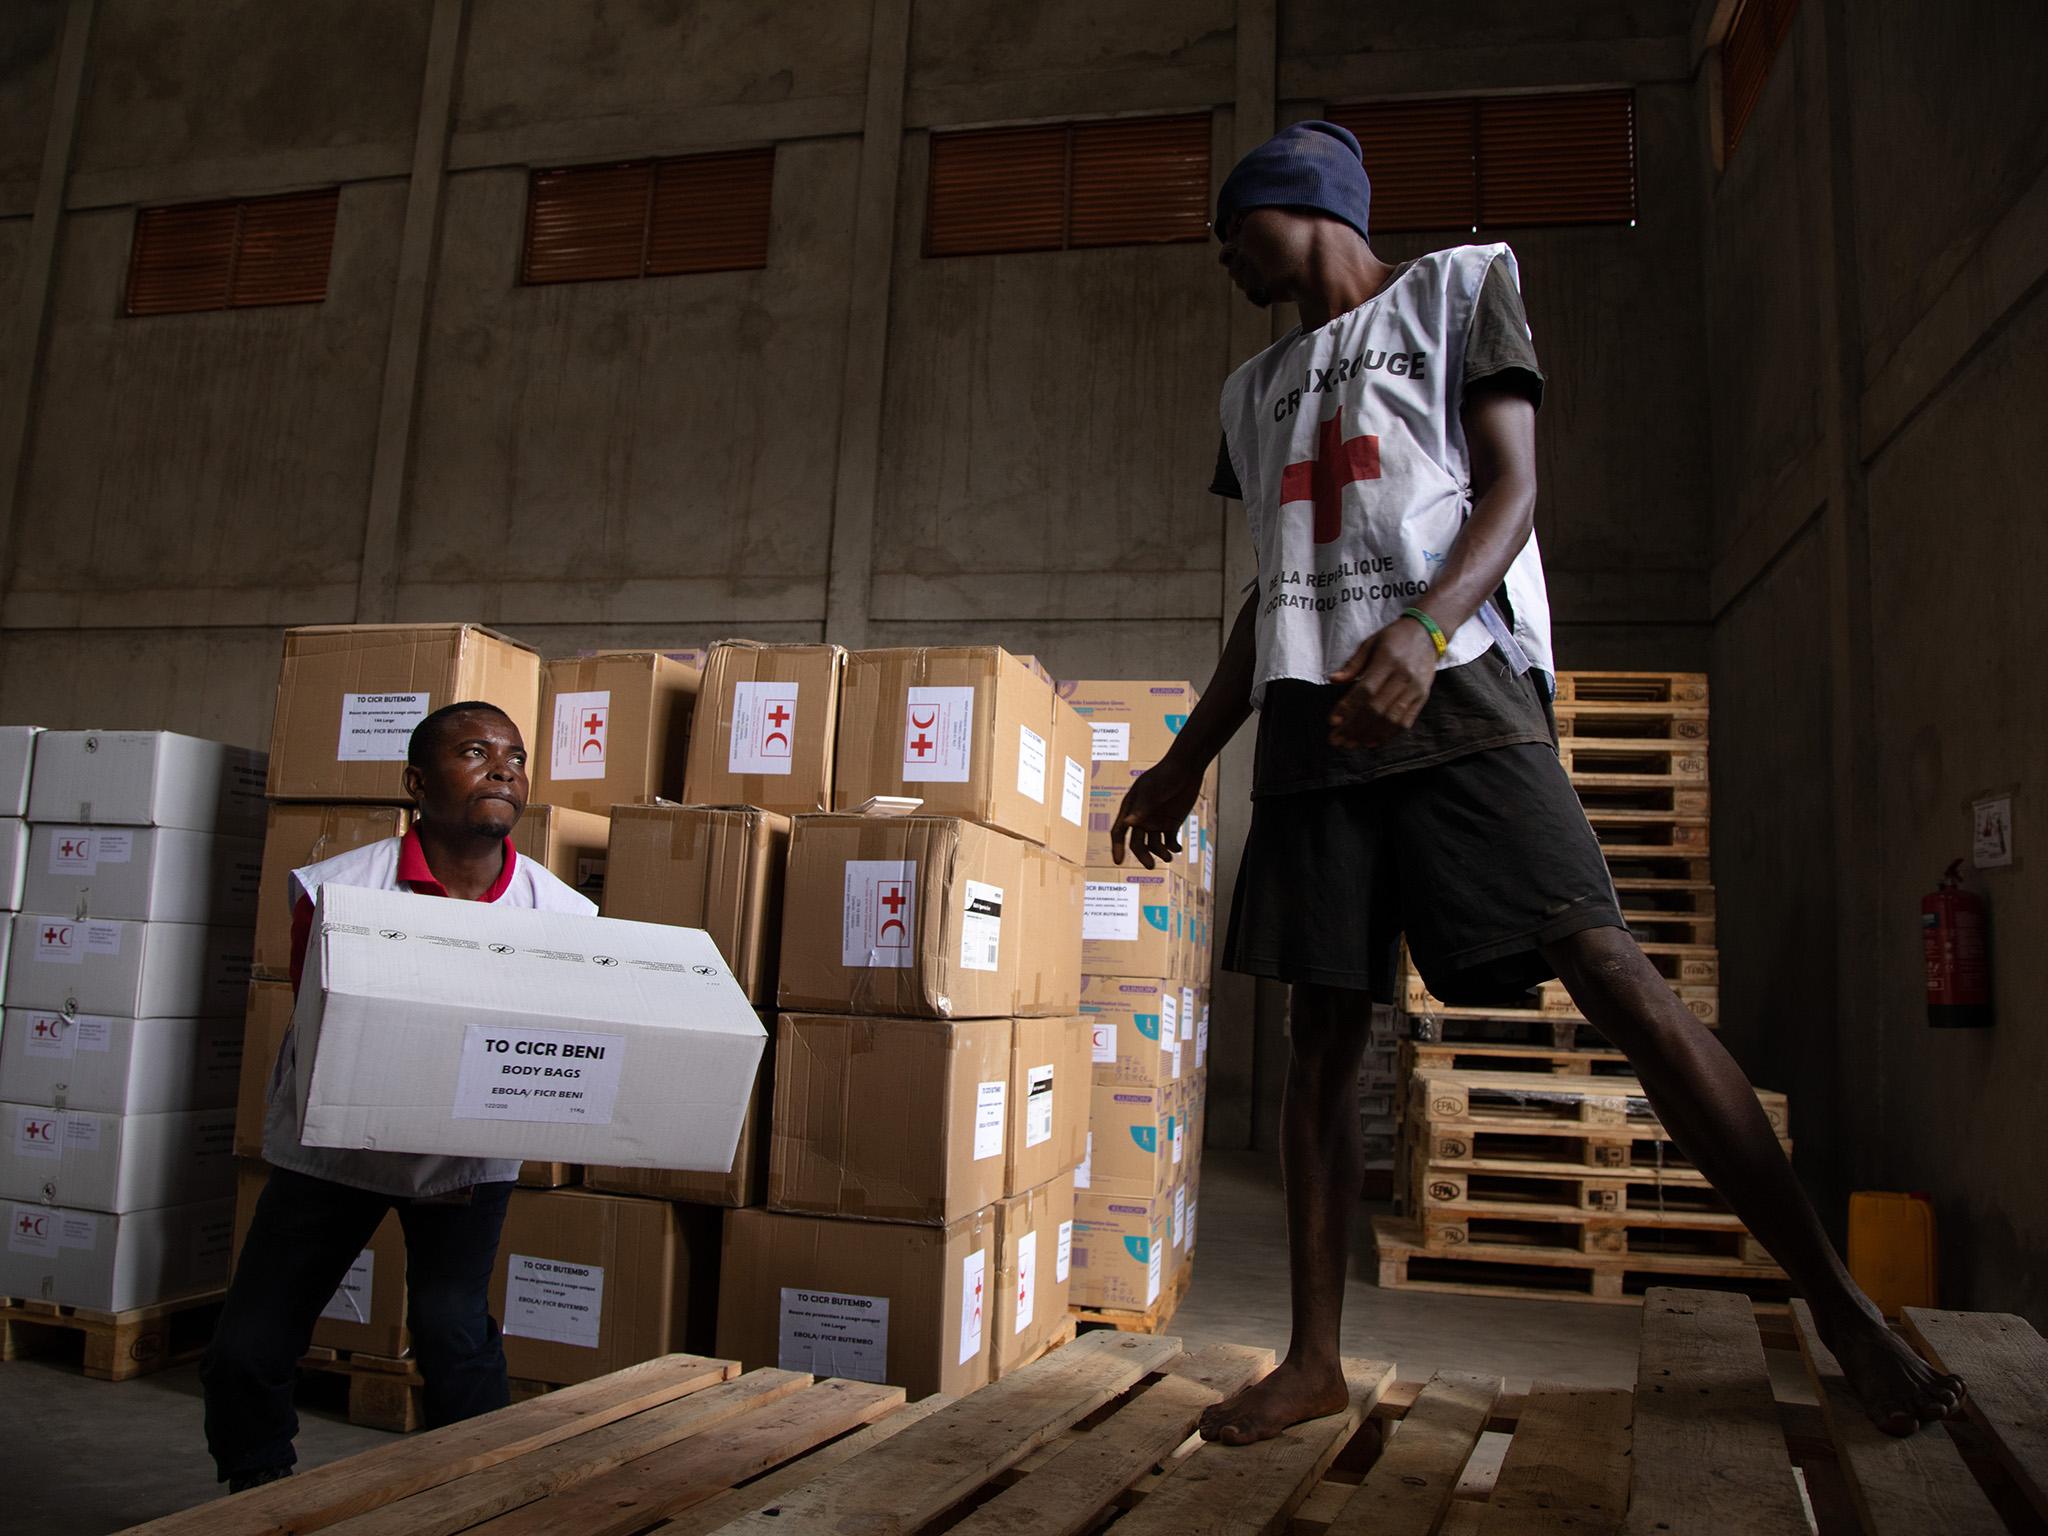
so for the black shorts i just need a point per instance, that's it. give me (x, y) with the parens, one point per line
(1480, 861)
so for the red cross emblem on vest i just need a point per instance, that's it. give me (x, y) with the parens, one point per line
(1321, 480)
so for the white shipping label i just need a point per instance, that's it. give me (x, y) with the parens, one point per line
(582, 732)
(1073, 791)
(1152, 1272)
(981, 928)
(1191, 1225)
(832, 1334)
(1081, 1173)
(1063, 1261)
(763, 728)
(82, 1133)
(538, 1074)
(879, 920)
(1202, 1037)
(78, 1229)
(38, 1133)
(938, 736)
(1027, 1280)
(1180, 1214)
(1102, 1038)
(1173, 1136)
(49, 1035)
(1109, 911)
(102, 938)
(114, 847)
(375, 727)
(1030, 764)
(988, 1119)
(60, 944)
(549, 1299)
(350, 1302)
(973, 1302)
(94, 1033)
(1112, 741)
(1038, 1105)
(1191, 840)
(1208, 864)
(32, 1229)
(74, 851)
(1187, 1013)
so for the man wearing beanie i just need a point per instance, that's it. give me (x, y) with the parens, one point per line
(1397, 651)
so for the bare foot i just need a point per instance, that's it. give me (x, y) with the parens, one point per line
(1290, 1395)
(1898, 1389)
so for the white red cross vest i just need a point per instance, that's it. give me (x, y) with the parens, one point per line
(1351, 456)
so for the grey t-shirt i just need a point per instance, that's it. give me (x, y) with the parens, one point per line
(1471, 708)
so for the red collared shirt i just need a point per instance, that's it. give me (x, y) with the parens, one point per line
(414, 871)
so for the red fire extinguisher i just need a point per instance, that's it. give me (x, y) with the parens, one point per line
(1958, 974)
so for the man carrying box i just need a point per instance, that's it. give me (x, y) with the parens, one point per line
(1397, 649)
(466, 775)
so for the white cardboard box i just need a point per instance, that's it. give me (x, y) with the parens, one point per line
(119, 1066)
(17, 755)
(136, 970)
(427, 1025)
(147, 779)
(6, 942)
(164, 874)
(94, 1162)
(112, 1263)
(13, 861)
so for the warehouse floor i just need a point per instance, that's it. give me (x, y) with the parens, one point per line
(80, 1456)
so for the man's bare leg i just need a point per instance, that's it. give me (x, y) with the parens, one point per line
(1711, 1111)
(1322, 1162)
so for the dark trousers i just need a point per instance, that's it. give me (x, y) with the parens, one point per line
(305, 1234)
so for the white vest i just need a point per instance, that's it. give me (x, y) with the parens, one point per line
(390, 1173)
(1351, 456)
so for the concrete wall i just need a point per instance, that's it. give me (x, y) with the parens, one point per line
(856, 438)
(1877, 328)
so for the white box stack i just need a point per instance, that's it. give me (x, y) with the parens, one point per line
(17, 755)
(126, 973)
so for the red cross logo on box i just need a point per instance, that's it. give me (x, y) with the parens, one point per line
(57, 936)
(590, 732)
(70, 848)
(1320, 481)
(47, 1029)
(777, 719)
(922, 724)
(31, 1226)
(44, 1131)
(893, 910)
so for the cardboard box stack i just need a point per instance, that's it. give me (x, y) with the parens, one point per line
(137, 868)
(931, 1067)
(1146, 947)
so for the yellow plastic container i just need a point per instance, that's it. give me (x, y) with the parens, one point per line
(1891, 1249)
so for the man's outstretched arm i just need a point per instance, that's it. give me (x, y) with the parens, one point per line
(1156, 806)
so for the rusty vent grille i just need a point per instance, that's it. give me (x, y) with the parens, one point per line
(1068, 186)
(232, 255)
(1753, 41)
(649, 218)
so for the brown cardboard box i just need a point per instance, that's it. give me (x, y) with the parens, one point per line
(263, 1032)
(534, 1175)
(1120, 1250)
(890, 1119)
(1051, 1093)
(586, 1284)
(614, 729)
(719, 868)
(1067, 772)
(869, 1300)
(1049, 958)
(1034, 1251)
(1130, 1148)
(572, 844)
(1130, 918)
(745, 1183)
(1132, 722)
(766, 727)
(1136, 1029)
(964, 728)
(903, 917)
(302, 833)
(366, 1314)
(349, 695)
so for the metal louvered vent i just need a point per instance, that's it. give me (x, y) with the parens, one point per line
(652, 218)
(1127, 181)
(1754, 37)
(1495, 162)
(232, 255)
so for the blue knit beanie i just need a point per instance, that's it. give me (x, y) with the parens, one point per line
(1310, 165)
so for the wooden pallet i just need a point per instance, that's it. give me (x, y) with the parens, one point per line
(1152, 1320)
(1496, 1056)
(1625, 689)
(386, 1392)
(1702, 1000)
(1623, 761)
(1529, 1027)
(1550, 1272)
(1098, 1436)
(1476, 1224)
(1503, 1100)
(1652, 1191)
(112, 1346)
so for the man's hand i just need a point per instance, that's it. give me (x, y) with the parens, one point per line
(1390, 679)
(1155, 813)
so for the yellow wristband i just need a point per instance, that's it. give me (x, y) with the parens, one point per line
(1429, 625)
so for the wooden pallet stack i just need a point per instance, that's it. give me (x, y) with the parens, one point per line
(1529, 1159)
